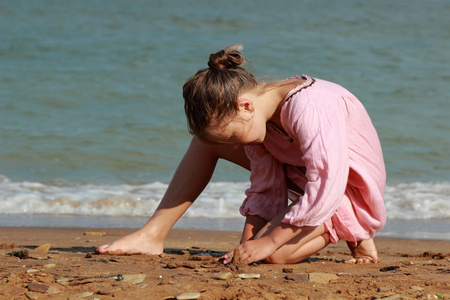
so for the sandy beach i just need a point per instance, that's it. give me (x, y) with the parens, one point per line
(69, 269)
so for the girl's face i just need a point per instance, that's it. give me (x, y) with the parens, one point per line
(246, 128)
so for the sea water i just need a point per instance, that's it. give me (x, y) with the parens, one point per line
(91, 112)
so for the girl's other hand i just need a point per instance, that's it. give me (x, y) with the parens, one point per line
(256, 250)
(227, 258)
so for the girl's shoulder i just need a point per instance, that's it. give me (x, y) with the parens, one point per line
(307, 81)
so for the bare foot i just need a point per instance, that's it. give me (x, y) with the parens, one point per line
(364, 252)
(135, 243)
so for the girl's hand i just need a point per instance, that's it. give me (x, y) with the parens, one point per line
(251, 251)
(227, 258)
(256, 250)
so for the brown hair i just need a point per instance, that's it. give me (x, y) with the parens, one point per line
(210, 95)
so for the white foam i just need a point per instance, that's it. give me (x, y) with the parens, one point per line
(415, 200)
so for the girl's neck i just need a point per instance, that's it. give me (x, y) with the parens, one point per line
(273, 96)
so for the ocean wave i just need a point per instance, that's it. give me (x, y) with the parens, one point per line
(408, 201)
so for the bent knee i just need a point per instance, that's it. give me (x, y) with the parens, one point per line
(276, 259)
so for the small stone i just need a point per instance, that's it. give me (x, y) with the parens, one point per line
(295, 270)
(200, 257)
(392, 297)
(209, 266)
(297, 277)
(416, 288)
(246, 276)
(31, 295)
(390, 269)
(189, 265)
(43, 248)
(62, 281)
(17, 291)
(222, 276)
(109, 291)
(180, 276)
(49, 266)
(37, 287)
(134, 279)
(22, 254)
(276, 290)
(188, 296)
(321, 296)
(7, 246)
(82, 295)
(30, 271)
(162, 255)
(95, 233)
(172, 265)
(385, 289)
(322, 277)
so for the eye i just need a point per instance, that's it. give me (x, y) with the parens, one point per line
(231, 138)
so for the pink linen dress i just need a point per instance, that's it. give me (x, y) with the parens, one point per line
(330, 149)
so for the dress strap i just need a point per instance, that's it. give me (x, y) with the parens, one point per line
(307, 83)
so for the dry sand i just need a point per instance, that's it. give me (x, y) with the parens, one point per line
(409, 269)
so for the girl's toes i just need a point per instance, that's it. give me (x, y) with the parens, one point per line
(362, 260)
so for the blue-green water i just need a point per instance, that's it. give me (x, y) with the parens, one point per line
(90, 92)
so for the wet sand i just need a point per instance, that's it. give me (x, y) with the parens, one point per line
(409, 269)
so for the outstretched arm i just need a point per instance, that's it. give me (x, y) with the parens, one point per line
(253, 224)
(191, 177)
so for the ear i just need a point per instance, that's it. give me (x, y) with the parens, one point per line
(245, 105)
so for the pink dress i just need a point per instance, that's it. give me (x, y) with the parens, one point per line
(330, 150)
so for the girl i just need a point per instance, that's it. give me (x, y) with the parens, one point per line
(307, 140)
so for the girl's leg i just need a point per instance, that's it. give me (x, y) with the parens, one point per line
(306, 243)
(191, 177)
(364, 252)
(312, 240)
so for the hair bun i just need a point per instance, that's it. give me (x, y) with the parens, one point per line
(229, 58)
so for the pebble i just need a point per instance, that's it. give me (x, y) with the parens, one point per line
(201, 257)
(321, 296)
(109, 290)
(172, 265)
(37, 287)
(180, 276)
(44, 248)
(49, 266)
(95, 233)
(189, 265)
(42, 288)
(30, 271)
(188, 296)
(222, 276)
(82, 295)
(31, 295)
(297, 277)
(134, 279)
(209, 266)
(322, 277)
(392, 297)
(385, 289)
(276, 290)
(17, 291)
(62, 281)
(245, 276)
(293, 270)
(390, 269)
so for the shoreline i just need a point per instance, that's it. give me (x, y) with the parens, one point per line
(408, 268)
(421, 229)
